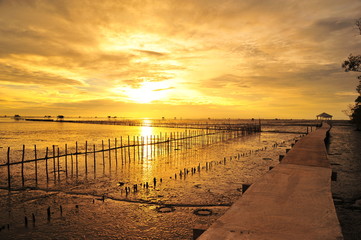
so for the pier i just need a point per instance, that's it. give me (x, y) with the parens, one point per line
(291, 201)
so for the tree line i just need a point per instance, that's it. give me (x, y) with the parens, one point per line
(353, 63)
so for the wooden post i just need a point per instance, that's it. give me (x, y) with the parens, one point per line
(129, 148)
(110, 157)
(121, 149)
(86, 158)
(151, 145)
(134, 148)
(22, 167)
(58, 158)
(36, 166)
(146, 146)
(72, 165)
(49, 214)
(66, 160)
(116, 153)
(142, 148)
(76, 159)
(95, 163)
(46, 165)
(103, 157)
(54, 173)
(9, 175)
(138, 144)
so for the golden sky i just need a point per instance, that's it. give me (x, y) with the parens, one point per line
(177, 58)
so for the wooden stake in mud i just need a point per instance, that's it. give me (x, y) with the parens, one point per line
(121, 149)
(49, 214)
(36, 166)
(8, 163)
(134, 148)
(76, 159)
(58, 158)
(138, 148)
(22, 167)
(95, 162)
(110, 157)
(72, 165)
(66, 160)
(86, 158)
(116, 153)
(54, 173)
(103, 157)
(46, 165)
(151, 145)
(129, 148)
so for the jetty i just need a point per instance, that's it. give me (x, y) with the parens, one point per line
(291, 201)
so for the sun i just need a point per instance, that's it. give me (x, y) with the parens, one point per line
(147, 92)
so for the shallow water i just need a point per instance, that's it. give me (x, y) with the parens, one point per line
(97, 206)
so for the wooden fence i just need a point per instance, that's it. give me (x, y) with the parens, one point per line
(119, 148)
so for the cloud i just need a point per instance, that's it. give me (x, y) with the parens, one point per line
(163, 89)
(151, 53)
(17, 75)
(212, 52)
(227, 80)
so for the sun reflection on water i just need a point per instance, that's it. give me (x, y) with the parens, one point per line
(147, 134)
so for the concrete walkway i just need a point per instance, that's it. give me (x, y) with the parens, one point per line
(292, 201)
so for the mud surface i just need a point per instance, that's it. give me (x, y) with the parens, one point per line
(345, 157)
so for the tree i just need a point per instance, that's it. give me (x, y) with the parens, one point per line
(353, 63)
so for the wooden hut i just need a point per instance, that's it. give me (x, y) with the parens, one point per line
(324, 116)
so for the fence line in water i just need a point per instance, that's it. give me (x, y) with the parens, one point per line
(147, 146)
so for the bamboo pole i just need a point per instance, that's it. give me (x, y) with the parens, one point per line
(109, 157)
(58, 158)
(142, 148)
(86, 158)
(54, 168)
(9, 175)
(134, 148)
(103, 157)
(22, 167)
(138, 144)
(36, 166)
(76, 159)
(95, 163)
(66, 160)
(46, 165)
(146, 146)
(129, 148)
(121, 149)
(72, 164)
(116, 153)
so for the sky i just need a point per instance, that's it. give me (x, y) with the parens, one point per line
(178, 58)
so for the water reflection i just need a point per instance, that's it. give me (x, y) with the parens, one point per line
(146, 150)
(147, 122)
(146, 131)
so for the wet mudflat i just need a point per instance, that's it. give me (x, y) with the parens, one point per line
(157, 197)
(345, 158)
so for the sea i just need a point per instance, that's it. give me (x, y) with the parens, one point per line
(151, 191)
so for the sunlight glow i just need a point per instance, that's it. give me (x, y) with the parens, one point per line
(148, 92)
